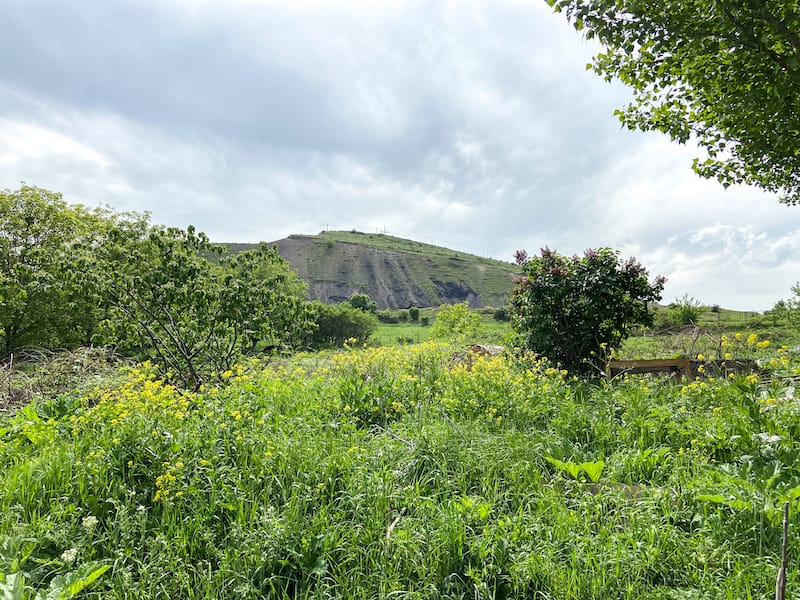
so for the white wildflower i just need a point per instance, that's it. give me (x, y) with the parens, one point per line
(69, 556)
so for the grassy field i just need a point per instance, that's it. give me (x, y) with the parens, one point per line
(404, 472)
(407, 332)
(715, 329)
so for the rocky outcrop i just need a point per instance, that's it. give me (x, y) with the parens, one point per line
(407, 274)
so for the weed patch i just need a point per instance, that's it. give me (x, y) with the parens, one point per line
(393, 472)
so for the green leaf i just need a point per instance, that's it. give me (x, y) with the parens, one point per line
(734, 503)
(12, 587)
(68, 586)
(593, 470)
(570, 468)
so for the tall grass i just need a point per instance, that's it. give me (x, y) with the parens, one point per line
(405, 473)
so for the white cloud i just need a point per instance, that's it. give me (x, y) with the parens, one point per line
(469, 124)
(35, 143)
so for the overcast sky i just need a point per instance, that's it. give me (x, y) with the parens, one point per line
(473, 125)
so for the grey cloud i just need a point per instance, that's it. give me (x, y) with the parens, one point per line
(381, 89)
(470, 124)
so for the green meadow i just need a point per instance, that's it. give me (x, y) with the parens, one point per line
(415, 471)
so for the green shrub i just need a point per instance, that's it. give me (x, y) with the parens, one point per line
(339, 323)
(456, 323)
(413, 314)
(686, 310)
(789, 310)
(387, 316)
(576, 310)
(363, 302)
(501, 314)
(175, 298)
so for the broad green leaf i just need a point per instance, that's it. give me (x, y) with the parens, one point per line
(570, 468)
(593, 470)
(735, 503)
(12, 587)
(68, 586)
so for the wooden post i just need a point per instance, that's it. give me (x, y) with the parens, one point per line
(780, 584)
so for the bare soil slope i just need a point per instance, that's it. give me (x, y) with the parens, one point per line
(395, 272)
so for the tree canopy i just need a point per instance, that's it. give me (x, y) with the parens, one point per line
(41, 239)
(725, 73)
(180, 300)
(70, 275)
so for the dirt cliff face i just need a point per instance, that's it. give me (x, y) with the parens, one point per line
(395, 273)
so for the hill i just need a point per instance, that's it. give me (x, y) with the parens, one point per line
(395, 272)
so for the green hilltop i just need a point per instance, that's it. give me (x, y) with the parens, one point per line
(393, 271)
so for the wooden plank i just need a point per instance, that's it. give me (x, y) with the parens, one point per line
(681, 367)
(650, 363)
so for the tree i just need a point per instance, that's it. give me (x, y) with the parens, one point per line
(725, 73)
(70, 275)
(178, 299)
(336, 324)
(42, 239)
(413, 314)
(789, 310)
(456, 323)
(576, 310)
(684, 311)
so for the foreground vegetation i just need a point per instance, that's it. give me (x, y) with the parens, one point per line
(411, 472)
(229, 466)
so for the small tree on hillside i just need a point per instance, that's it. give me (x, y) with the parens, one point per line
(456, 323)
(575, 310)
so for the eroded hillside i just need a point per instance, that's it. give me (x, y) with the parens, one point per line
(395, 272)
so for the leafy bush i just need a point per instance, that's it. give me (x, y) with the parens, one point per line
(455, 323)
(684, 311)
(176, 298)
(501, 314)
(413, 314)
(363, 302)
(576, 310)
(388, 317)
(336, 324)
(42, 241)
(789, 310)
